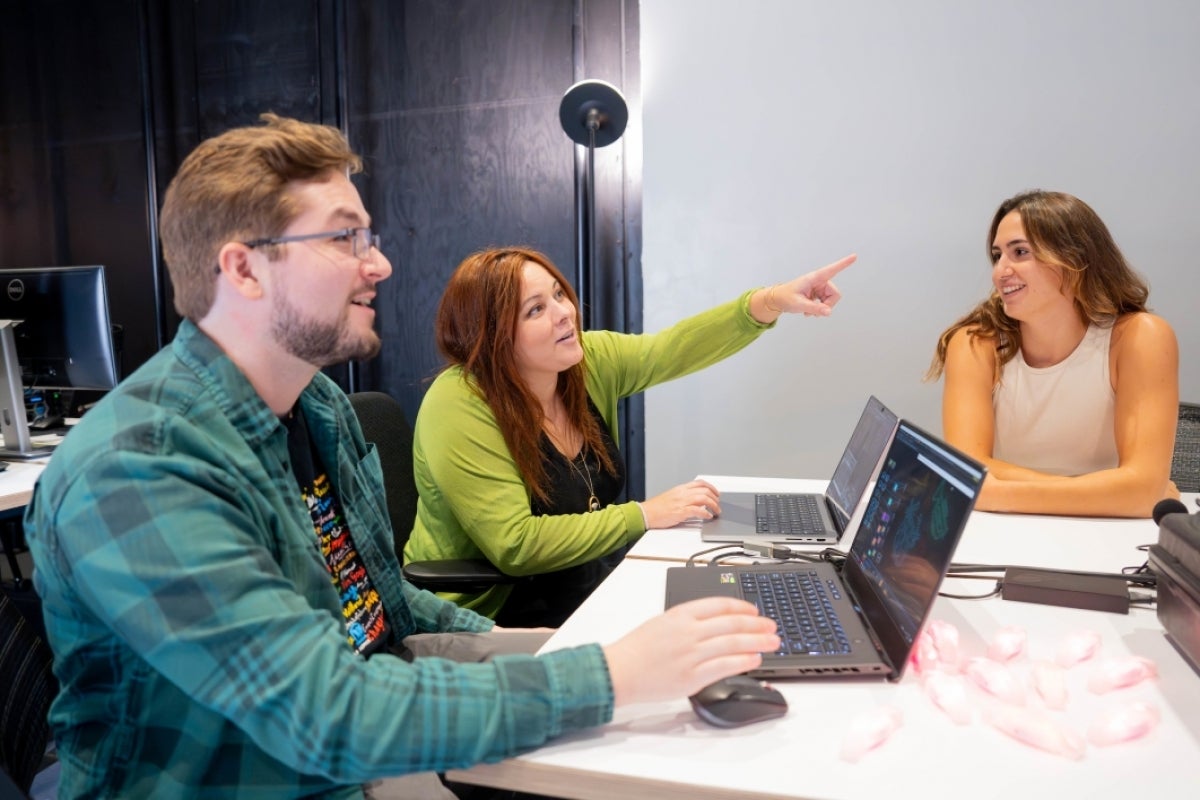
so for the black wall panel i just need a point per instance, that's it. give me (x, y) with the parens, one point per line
(452, 103)
(463, 151)
(70, 131)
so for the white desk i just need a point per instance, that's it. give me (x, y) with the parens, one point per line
(663, 751)
(1022, 539)
(16, 482)
(16, 488)
(681, 542)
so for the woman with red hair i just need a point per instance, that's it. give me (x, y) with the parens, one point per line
(515, 444)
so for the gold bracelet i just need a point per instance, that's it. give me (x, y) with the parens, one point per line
(767, 300)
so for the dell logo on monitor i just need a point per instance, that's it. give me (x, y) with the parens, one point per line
(16, 289)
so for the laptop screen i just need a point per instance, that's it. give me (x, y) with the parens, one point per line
(858, 463)
(905, 542)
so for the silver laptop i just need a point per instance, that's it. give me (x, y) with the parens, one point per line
(809, 518)
(863, 619)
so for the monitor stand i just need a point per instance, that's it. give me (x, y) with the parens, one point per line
(14, 425)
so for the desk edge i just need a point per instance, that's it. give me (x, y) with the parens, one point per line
(578, 784)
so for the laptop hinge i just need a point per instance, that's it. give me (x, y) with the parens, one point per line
(852, 594)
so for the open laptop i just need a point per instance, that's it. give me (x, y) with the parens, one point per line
(809, 518)
(867, 615)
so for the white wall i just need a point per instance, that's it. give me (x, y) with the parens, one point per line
(782, 134)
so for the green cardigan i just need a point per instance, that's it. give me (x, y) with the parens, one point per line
(473, 501)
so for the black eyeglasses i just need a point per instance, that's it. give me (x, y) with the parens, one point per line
(361, 240)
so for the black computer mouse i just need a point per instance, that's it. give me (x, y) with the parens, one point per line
(737, 701)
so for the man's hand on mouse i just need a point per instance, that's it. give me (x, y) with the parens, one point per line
(688, 647)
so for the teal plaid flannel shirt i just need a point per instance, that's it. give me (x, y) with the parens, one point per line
(198, 639)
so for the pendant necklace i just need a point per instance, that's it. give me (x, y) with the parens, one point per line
(593, 503)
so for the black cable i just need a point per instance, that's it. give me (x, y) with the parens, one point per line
(778, 553)
(768, 550)
(783, 553)
(1139, 577)
(720, 561)
(1136, 577)
(970, 577)
(993, 593)
(691, 562)
(1144, 569)
(834, 556)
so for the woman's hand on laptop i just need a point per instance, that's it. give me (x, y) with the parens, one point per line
(689, 501)
(691, 645)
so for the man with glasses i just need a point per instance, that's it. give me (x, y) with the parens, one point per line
(212, 547)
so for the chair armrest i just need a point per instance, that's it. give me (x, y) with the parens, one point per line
(456, 575)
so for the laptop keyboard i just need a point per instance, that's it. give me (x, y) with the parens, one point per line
(788, 514)
(800, 604)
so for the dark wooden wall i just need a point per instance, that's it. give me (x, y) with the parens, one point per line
(452, 103)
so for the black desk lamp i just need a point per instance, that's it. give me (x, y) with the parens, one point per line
(593, 113)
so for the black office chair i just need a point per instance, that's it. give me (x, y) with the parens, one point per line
(1185, 462)
(12, 543)
(27, 686)
(383, 422)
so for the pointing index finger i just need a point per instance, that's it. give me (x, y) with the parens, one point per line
(827, 272)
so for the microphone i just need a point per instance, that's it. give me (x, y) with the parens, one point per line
(1166, 506)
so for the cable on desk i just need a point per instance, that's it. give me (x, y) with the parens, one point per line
(778, 553)
(785, 553)
(768, 550)
(999, 587)
(1139, 576)
(1141, 599)
(721, 561)
(1144, 569)
(691, 562)
(1065, 587)
(834, 556)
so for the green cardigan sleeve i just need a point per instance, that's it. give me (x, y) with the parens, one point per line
(473, 501)
(620, 364)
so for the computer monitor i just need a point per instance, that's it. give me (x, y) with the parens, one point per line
(54, 334)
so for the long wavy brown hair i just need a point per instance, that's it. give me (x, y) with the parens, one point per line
(476, 329)
(1064, 231)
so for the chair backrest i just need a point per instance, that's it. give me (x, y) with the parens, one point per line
(1185, 463)
(27, 686)
(384, 423)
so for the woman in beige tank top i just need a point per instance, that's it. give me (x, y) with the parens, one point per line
(1061, 381)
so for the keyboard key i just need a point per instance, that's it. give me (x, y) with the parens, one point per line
(800, 605)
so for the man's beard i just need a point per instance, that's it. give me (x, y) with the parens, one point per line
(321, 344)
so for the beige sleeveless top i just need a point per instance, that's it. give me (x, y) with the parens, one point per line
(1058, 419)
